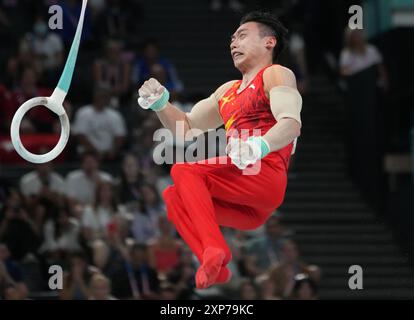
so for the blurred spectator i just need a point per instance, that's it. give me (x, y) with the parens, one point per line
(113, 70)
(267, 288)
(12, 271)
(99, 128)
(167, 291)
(39, 213)
(145, 220)
(283, 274)
(164, 250)
(100, 288)
(49, 49)
(115, 21)
(130, 180)
(150, 57)
(15, 18)
(5, 280)
(183, 275)
(75, 282)
(43, 183)
(16, 228)
(38, 120)
(110, 255)
(140, 281)
(266, 249)
(81, 184)
(61, 237)
(247, 265)
(142, 143)
(96, 219)
(363, 72)
(359, 55)
(248, 291)
(237, 241)
(97, 6)
(18, 62)
(304, 289)
(152, 199)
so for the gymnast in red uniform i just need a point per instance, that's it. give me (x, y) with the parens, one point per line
(261, 115)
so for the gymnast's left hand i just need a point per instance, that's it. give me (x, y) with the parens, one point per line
(246, 152)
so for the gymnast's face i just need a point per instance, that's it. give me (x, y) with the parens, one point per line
(250, 46)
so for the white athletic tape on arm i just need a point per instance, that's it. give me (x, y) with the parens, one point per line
(285, 102)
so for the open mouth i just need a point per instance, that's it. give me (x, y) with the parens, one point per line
(236, 55)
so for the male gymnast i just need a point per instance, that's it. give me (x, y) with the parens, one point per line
(209, 194)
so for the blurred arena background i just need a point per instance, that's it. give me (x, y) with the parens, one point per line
(97, 211)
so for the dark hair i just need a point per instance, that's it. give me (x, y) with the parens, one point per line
(247, 282)
(90, 153)
(150, 41)
(114, 200)
(300, 280)
(271, 27)
(139, 246)
(79, 254)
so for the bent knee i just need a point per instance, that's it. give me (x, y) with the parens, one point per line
(178, 170)
(181, 171)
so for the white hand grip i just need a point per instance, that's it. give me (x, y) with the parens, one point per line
(15, 130)
(146, 102)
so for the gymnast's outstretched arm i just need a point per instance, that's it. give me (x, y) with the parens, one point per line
(203, 116)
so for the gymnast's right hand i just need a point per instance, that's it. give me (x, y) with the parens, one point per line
(152, 95)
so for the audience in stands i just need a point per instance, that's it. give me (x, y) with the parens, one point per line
(76, 279)
(49, 50)
(100, 128)
(25, 58)
(81, 184)
(144, 67)
(266, 249)
(248, 290)
(283, 274)
(38, 120)
(164, 250)
(358, 55)
(61, 237)
(115, 71)
(43, 183)
(98, 218)
(100, 288)
(130, 180)
(17, 230)
(305, 288)
(140, 281)
(11, 274)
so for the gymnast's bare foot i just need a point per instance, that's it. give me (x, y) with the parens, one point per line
(224, 275)
(209, 271)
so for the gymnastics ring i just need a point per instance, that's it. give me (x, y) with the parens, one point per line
(53, 103)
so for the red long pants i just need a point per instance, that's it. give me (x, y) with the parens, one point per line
(206, 196)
